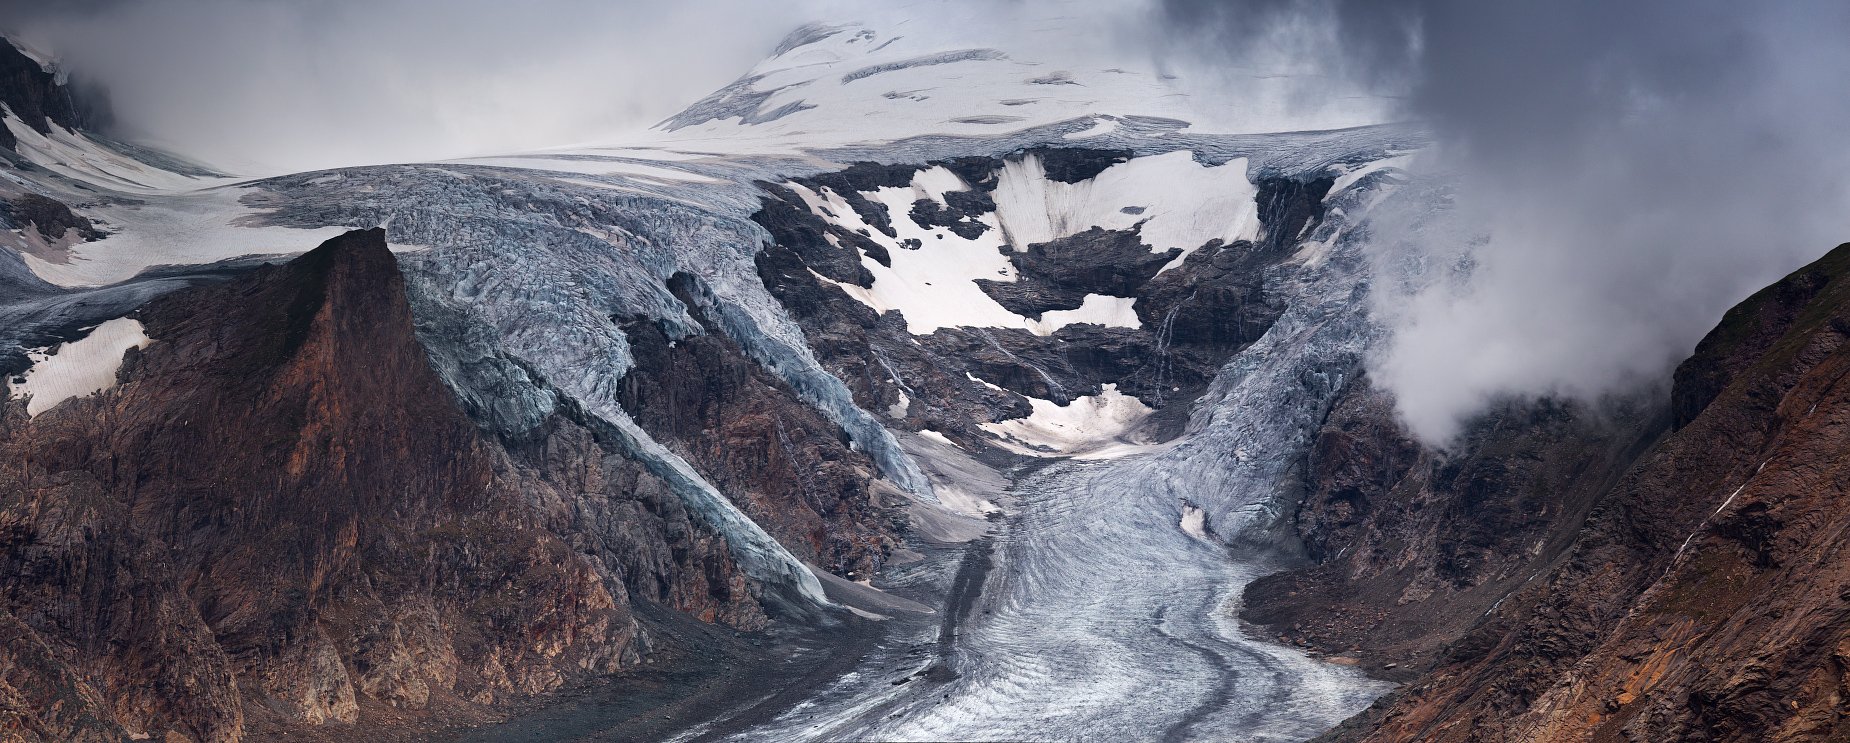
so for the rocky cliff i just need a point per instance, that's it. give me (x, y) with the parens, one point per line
(1189, 313)
(1412, 546)
(32, 95)
(1582, 582)
(279, 518)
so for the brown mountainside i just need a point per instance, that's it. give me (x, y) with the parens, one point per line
(1701, 595)
(280, 519)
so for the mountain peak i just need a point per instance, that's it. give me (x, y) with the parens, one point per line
(32, 94)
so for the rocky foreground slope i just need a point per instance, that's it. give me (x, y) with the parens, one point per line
(278, 516)
(1667, 570)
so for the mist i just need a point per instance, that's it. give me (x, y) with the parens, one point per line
(258, 87)
(270, 86)
(1619, 175)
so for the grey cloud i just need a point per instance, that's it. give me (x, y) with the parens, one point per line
(275, 85)
(1621, 173)
(257, 86)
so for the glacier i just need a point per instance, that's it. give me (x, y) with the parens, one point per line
(1109, 611)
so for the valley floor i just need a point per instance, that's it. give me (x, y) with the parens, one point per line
(1086, 615)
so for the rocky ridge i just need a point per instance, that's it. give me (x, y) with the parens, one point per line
(1661, 570)
(280, 518)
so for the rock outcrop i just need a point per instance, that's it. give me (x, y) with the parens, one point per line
(280, 519)
(1703, 595)
(791, 470)
(1410, 547)
(32, 95)
(1192, 316)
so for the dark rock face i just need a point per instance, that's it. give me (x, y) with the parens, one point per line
(790, 469)
(1058, 275)
(280, 520)
(1703, 598)
(1193, 316)
(33, 95)
(1289, 208)
(958, 213)
(827, 249)
(1215, 299)
(48, 217)
(849, 182)
(1745, 333)
(1074, 164)
(1410, 546)
(870, 353)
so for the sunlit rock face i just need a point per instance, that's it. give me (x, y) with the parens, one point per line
(282, 511)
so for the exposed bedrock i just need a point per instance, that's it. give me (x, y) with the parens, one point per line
(1192, 314)
(281, 519)
(1701, 597)
(1290, 208)
(33, 95)
(48, 217)
(875, 357)
(1058, 275)
(789, 468)
(1077, 164)
(1411, 546)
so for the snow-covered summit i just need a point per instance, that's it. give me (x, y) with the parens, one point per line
(856, 83)
(853, 83)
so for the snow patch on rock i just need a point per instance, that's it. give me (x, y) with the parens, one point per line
(938, 437)
(80, 158)
(197, 227)
(1179, 202)
(80, 368)
(1195, 522)
(1087, 424)
(932, 279)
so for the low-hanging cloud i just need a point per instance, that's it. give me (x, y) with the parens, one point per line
(270, 86)
(258, 86)
(1621, 174)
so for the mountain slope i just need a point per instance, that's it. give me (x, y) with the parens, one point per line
(1702, 599)
(280, 516)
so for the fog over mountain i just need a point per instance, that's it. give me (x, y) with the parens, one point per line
(1580, 137)
(1623, 173)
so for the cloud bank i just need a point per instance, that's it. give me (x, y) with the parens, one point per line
(264, 86)
(271, 86)
(1620, 174)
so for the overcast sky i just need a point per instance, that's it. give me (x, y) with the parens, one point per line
(1624, 172)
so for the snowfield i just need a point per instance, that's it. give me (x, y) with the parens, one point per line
(1179, 202)
(1085, 425)
(80, 368)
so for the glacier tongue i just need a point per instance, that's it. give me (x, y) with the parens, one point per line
(1108, 612)
(547, 258)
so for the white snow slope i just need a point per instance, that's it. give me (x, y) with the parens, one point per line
(80, 368)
